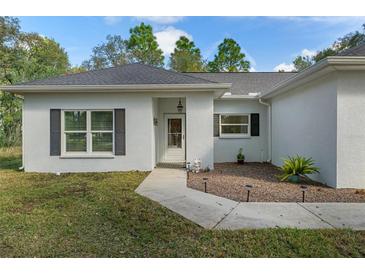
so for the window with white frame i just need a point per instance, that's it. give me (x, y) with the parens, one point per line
(88, 131)
(234, 125)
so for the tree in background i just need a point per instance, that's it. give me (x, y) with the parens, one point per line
(143, 46)
(10, 106)
(113, 52)
(9, 43)
(186, 56)
(302, 62)
(43, 57)
(229, 58)
(28, 56)
(24, 56)
(323, 54)
(348, 41)
(76, 69)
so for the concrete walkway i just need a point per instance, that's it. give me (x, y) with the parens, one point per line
(168, 187)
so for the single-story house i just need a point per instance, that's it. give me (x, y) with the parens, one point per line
(134, 117)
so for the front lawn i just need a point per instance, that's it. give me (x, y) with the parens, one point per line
(100, 215)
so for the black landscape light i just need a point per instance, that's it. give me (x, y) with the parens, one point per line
(205, 182)
(248, 188)
(188, 169)
(304, 190)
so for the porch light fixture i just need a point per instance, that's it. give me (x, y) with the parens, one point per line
(179, 106)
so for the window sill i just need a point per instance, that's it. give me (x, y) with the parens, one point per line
(100, 156)
(234, 137)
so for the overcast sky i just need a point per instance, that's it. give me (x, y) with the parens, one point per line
(270, 43)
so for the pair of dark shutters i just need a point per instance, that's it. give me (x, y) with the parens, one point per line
(255, 124)
(55, 132)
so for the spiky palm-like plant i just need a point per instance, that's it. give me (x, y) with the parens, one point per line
(297, 165)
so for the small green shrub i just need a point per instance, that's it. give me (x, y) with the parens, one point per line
(297, 165)
(240, 155)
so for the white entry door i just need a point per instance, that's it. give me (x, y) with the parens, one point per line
(174, 138)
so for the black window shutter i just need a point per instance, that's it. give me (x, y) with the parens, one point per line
(216, 125)
(119, 131)
(55, 132)
(255, 124)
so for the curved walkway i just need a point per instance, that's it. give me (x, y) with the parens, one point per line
(168, 187)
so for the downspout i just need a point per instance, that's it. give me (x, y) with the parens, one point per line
(269, 128)
(22, 130)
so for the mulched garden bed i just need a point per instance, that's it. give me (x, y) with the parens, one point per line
(228, 180)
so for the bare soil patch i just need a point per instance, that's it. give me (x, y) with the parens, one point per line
(229, 179)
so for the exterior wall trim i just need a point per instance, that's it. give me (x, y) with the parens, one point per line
(327, 65)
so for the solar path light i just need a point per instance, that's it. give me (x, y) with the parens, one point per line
(205, 182)
(304, 189)
(188, 169)
(248, 188)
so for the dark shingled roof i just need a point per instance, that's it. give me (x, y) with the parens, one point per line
(244, 83)
(355, 51)
(131, 74)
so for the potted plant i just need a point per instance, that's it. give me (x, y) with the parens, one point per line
(296, 167)
(240, 157)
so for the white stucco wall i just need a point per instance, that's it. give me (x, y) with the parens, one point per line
(351, 130)
(142, 137)
(255, 148)
(139, 131)
(304, 122)
(199, 128)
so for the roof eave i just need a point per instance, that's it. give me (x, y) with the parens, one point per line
(327, 65)
(22, 89)
(239, 96)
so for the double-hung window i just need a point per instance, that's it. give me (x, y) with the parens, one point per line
(88, 131)
(234, 125)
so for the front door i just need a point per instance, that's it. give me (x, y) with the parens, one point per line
(174, 138)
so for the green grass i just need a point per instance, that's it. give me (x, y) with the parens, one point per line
(100, 215)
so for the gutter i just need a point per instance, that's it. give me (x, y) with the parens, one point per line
(269, 139)
(116, 88)
(228, 97)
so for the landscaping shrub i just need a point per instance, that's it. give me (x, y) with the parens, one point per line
(297, 166)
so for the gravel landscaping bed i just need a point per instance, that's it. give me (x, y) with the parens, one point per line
(228, 180)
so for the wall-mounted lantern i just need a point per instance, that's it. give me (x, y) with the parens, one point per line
(180, 107)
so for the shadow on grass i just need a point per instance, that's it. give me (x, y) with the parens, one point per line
(10, 158)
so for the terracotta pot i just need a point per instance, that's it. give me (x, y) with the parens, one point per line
(241, 162)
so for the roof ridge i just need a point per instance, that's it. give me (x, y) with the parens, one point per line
(124, 73)
(95, 70)
(178, 73)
